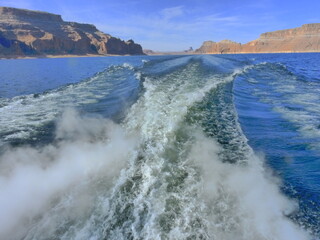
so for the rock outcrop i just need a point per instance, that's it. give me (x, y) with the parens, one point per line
(301, 39)
(224, 46)
(33, 33)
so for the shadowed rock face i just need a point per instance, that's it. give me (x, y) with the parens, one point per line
(32, 33)
(301, 39)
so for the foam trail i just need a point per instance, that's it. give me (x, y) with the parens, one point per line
(157, 117)
(179, 188)
(283, 104)
(164, 173)
(31, 178)
(23, 116)
(243, 201)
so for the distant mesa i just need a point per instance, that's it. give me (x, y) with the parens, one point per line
(184, 52)
(190, 50)
(224, 46)
(148, 51)
(34, 33)
(302, 39)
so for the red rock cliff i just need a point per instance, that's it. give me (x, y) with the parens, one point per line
(301, 39)
(32, 33)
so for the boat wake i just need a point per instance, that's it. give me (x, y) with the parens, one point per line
(176, 166)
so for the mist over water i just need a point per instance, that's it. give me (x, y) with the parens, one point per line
(148, 149)
(32, 179)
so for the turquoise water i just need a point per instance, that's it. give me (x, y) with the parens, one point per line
(161, 147)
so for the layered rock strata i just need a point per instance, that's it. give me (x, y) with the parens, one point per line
(32, 33)
(302, 39)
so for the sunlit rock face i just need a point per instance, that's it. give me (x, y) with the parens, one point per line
(30, 33)
(301, 39)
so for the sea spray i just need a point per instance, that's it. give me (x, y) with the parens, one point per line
(168, 198)
(242, 201)
(177, 167)
(31, 178)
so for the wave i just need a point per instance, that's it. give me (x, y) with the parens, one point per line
(179, 187)
(296, 102)
(165, 64)
(23, 117)
(177, 167)
(43, 188)
(278, 111)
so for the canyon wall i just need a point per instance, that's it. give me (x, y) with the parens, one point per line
(33, 33)
(302, 39)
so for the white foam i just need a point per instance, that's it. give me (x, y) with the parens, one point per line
(31, 178)
(214, 200)
(127, 65)
(233, 203)
(243, 201)
(21, 116)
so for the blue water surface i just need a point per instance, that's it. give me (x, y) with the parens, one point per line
(276, 99)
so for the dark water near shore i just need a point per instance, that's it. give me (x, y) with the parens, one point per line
(161, 147)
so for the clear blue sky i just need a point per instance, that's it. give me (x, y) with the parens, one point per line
(169, 25)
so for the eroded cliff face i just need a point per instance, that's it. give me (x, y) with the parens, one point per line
(32, 33)
(301, 39)
(224, 46)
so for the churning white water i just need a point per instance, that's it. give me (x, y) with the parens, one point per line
(160, 173)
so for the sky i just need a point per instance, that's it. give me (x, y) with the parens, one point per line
(177, 25)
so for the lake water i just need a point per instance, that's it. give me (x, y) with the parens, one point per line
(161, 147)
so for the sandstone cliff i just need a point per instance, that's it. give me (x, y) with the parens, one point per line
(301, 39)
(32, 33)
(224, 46)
